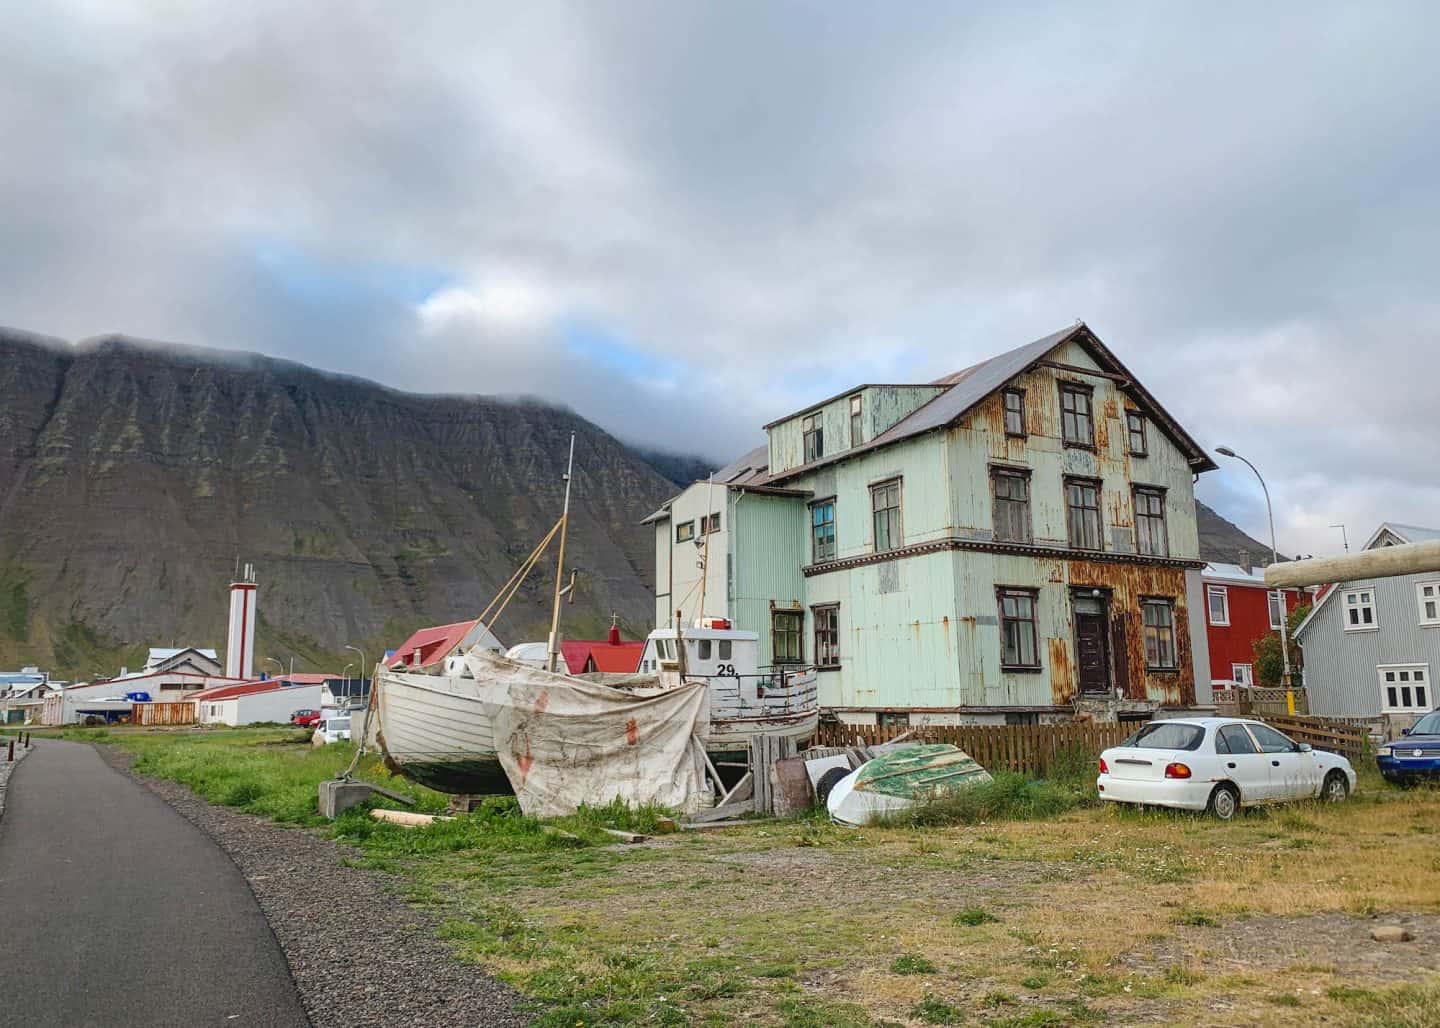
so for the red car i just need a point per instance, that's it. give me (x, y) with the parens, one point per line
(305, 718)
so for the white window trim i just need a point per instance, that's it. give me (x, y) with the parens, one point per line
(1429, 685)
(1248, 678)
(1225, 596)
(1374, 625)
(1420, 603)
(1271, 594)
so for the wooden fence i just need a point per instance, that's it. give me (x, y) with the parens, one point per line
(1035, 749)
(1258, 702)
(1335, 736)
(176, 712)
(1024, 749)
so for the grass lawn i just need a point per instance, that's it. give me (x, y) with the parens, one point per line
(1084, 916)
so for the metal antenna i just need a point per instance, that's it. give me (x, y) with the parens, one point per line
(1344, 539)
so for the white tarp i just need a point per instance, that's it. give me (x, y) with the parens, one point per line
(564, 742)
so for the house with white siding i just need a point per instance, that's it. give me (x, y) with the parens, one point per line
(1372, 646)
(1015, 542)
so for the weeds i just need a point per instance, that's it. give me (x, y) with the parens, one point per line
(973, 917)
(1007, 797)
(936, 1011)
(911, 963)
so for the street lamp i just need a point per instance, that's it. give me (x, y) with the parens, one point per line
(1275, 558)
(277, 664)
(363, 665)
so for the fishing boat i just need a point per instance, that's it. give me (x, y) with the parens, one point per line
(746, 700)
(899, 779)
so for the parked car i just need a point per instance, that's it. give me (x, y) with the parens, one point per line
(305, 718)
(332, 729)
(1415, 756)
(1219, 764)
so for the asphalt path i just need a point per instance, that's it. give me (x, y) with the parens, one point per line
(116, 911)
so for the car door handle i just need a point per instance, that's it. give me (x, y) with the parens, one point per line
(1274, 763)
(1231, 765)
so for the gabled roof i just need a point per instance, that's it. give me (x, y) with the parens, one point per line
(970, 386)
(230, 692)
(1405, 533)
(616, 658)
(1234, 574)
(750, 468)
(434, 643)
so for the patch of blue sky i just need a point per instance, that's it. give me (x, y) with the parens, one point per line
(326, 278)
(599, 346)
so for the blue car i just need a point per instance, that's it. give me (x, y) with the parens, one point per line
(1415, 757)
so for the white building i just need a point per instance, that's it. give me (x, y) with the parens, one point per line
(260, 702)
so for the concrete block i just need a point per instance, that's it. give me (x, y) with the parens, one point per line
(337, 797)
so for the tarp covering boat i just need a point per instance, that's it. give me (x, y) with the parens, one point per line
(564, 742)
(899, 779)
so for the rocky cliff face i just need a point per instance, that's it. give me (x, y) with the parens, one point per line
(133, 476)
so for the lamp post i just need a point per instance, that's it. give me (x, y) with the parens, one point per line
(277, 664)
(1275, 558)
(362, 660)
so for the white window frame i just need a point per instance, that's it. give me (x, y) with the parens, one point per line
(1244, 674)
(1275, 598)
(1224, 594)
(1426, 683)
(1420, 599)
(1346, 605)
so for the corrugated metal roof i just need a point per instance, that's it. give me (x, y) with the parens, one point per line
(969, 386)
(433, 643)
(1413, 533)
(750, 468)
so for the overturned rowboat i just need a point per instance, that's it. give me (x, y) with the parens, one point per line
(897, 780)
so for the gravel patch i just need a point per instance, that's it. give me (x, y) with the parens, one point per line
(359, 953)
(7, 767)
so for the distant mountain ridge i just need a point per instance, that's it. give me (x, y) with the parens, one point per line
(132, 476)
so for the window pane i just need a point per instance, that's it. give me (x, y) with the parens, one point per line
(1420, 697)
(1270, 740)
(1390, 696)
(704, 649)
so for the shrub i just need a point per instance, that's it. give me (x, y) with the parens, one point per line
(974, 916)
(1007, 797)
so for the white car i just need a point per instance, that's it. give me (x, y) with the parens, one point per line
(332, 729)
(1219, 764)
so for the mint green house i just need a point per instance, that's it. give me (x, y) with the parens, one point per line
(1013, 542)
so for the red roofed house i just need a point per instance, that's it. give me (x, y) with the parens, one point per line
(429, 648)
(608, 655)
(262, 700)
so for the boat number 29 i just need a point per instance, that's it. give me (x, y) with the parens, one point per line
(725, 670)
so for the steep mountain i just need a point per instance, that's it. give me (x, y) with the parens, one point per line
(134, 475)
(1224, 543)
(682, 470)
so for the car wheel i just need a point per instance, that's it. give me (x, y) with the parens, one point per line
(1336, 787)
(828, 781)
(1225, 802)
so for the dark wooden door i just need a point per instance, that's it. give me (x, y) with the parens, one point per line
(1090, 655)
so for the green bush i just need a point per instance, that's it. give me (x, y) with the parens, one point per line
(1008, 797)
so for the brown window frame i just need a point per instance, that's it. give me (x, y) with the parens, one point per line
(1168, 604)
(1070, 535)
(709, 523)
(815, 556)
(1157, 493)
(857, 420)
(897, 539)
(1005, 395)
(1031, 597)
(798, 633)
(998, 472)
(827, 637)
(684, 525)
(1135, 425)
(812, 428)
(1077, 389)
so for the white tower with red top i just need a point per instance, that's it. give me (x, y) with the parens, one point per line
(240, 640)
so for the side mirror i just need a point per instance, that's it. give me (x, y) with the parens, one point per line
(1404, 731)
(1303, 747)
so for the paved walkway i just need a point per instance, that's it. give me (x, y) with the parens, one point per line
(115, 910)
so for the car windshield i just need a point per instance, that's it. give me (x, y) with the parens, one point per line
(1427, 725)
(1167, 735)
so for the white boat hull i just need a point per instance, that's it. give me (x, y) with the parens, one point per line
(434, 730)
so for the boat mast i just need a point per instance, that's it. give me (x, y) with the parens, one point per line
(554, 661)
(705, 548)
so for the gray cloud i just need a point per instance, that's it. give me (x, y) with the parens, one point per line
(758, 204)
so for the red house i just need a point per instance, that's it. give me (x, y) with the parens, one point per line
(1238, 611)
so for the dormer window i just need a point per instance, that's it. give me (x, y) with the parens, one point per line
(1014, 412)
(814, 435)
(857, 423)
(1077, 423)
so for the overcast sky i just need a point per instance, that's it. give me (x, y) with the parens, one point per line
(685, 220)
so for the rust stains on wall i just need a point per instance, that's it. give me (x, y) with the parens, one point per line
(1127, 584)
(1062, 682)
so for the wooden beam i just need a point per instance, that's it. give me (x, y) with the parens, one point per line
(1383, 562)
(1075, 369)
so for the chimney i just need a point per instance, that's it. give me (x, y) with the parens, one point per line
(240, 640)
(614, 637)
(1245, 564)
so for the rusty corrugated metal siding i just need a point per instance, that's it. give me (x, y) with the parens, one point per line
(173, 712)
